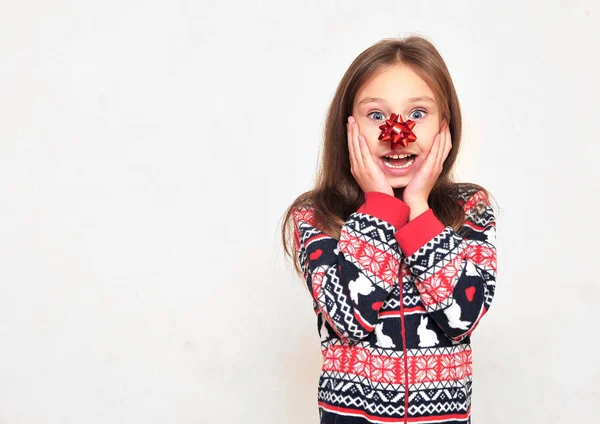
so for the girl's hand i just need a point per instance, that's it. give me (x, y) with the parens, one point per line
(416, 193)
(366, 172)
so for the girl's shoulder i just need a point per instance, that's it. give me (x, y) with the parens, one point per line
(473, 198)
(476, 202)
(464, 192)
(303, 213)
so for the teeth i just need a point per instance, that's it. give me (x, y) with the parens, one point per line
(397, 156)
(389, 165)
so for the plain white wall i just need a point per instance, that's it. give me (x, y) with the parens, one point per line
(148, 150)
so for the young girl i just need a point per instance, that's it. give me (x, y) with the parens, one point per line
(399, 259)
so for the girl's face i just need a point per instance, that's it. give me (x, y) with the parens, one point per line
(399, 90)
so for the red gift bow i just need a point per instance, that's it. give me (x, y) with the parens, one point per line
(397, 131)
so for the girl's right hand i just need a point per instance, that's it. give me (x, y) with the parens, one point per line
(366, 172)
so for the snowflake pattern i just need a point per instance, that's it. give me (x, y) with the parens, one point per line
(463, 364)
(447, 368)
(383, 369)
(349, 245)
(438, 287)
(425, 368)
(332, 358)
(372, 259)
(389, 271)
(359, 362)
(482, 256)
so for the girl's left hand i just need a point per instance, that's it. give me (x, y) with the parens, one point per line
(416, 193)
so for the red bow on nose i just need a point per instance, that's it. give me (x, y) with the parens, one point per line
(397, 131)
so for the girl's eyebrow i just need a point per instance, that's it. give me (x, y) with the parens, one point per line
(411, 100)
(421, 99)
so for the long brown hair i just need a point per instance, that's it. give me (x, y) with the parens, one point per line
(336, 193)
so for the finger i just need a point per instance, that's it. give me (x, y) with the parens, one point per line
(431, 159)
(357, 147)
(448, 145)
(364, 148)
(441, 148)
(353, 163)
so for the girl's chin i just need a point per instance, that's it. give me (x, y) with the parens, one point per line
(398, 185)
(399, 180)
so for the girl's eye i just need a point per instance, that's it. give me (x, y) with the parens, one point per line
(420, 114)
(378, 116)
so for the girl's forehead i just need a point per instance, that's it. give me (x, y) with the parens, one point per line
(395, 83)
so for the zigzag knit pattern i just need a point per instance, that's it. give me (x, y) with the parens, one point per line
(396, 303)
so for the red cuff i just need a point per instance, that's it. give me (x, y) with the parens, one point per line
(418, 232)
(385, 207)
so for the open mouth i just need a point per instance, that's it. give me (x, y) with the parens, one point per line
(399, 161)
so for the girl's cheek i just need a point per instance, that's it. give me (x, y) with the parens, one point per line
(425, 143)
(373, 144)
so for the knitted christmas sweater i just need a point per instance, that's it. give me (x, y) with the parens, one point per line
(396, 303)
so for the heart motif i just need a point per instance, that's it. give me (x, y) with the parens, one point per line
(316, 255)
(470, 292)
(376, 306)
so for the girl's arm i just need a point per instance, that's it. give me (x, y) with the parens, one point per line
(456, 274)
(349, 280)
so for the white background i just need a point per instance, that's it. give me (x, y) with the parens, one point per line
(148, 150)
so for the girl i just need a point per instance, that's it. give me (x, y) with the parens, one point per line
(399, 259)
